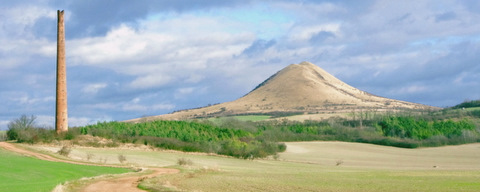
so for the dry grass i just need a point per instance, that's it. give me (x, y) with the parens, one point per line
(311, 166)
(460, 157)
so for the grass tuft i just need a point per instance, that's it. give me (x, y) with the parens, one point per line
(184, 162)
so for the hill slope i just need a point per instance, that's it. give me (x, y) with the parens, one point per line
(303, 88)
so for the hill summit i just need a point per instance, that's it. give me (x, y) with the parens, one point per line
(298, 88)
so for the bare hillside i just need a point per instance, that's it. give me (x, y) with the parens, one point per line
(304, 88)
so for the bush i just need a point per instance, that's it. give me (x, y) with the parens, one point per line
(184, 161)
(31, 135)
(24, 130)
(475, 113)
(22, 123)
(70, 134)
(122, 158)
(65, 151)
(12, 134)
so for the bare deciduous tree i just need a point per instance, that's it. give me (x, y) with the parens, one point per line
(23, 122)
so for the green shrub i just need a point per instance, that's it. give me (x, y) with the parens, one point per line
(24, 130)
(418, 128)
(23, 123)
(475, 113)
(243, 139)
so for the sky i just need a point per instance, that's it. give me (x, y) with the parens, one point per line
(130, 59)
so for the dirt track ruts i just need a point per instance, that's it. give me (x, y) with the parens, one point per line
(126, 183)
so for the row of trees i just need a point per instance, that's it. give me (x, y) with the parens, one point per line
(181, 130)
(176, 135)
(419, 128)
(467, 104)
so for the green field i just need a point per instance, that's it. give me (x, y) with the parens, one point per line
(312, 166)
(19, 173)
(241, 118)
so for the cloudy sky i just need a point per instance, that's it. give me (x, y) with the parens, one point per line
(128, 59)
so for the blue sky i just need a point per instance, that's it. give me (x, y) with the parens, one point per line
(128, 59)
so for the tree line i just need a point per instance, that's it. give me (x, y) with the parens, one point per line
(246, 139)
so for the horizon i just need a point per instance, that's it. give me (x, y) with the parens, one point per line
(147, 58)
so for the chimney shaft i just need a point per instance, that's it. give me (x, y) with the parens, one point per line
(61, 121)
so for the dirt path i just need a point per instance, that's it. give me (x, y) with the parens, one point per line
(127, 183)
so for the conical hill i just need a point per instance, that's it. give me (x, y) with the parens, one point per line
(298, 88)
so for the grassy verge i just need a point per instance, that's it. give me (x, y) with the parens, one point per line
(20, 173)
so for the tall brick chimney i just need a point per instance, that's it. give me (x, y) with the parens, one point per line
(61, 121)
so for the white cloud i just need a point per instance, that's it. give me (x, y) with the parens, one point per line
(305, 32)
(137, 105)
(181, 44)
(93, 88)
(22, 52)
(133, 107)
(136, 100)
(161, 52)
(25, 99)
(121, 43)
(410, 89)
(194, 78)
(100, 106)
(399, 22)
(149, 81)
(20, 17)
(45, 121)
(82, 121)
(4, 124)
(163, 107)
(186, 90)
(156, 62)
